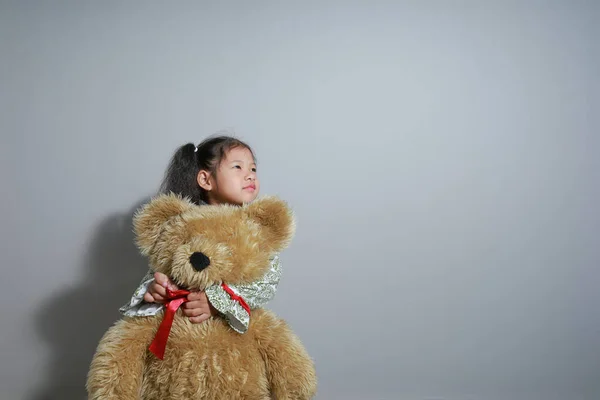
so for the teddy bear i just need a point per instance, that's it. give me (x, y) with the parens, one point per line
(166, 356)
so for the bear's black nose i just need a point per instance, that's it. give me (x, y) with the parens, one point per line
(199, 261)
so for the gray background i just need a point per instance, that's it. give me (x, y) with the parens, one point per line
(441, 157)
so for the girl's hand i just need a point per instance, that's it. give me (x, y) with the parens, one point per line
(198, 308)
(157, 290)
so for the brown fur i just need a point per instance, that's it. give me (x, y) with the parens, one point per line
(207, 360)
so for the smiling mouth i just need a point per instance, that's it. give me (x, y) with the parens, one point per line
(251, 187)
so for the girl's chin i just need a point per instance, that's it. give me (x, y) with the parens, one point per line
(249, 198)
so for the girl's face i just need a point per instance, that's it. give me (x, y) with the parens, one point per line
(236, 181)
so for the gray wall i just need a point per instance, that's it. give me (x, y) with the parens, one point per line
(442, 159)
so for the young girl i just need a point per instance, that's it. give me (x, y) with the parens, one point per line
(220, 170)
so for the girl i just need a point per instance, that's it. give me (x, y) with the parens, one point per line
(220, 170)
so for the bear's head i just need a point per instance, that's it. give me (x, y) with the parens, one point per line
(198, 246)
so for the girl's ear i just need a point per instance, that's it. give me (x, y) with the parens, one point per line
(150, 218)
(204, 180)
(276, 219)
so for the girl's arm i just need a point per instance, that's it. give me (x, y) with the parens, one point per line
(256, 295)
(137, 307)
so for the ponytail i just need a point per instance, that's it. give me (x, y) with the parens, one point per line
(180, 177)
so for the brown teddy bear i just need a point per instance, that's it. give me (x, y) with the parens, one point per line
(166, 356)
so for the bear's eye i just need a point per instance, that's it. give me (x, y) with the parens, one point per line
(199, 261)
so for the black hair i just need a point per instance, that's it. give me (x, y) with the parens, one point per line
(189, 159)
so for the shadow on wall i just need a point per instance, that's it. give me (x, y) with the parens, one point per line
(73, 322)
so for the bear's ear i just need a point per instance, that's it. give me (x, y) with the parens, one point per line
(149, 219)
(277, 220)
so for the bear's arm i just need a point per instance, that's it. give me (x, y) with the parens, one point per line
(256, 294)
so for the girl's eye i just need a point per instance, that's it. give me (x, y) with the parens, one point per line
(253, 169)
(237, 166)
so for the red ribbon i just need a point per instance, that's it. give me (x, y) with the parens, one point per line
(235, 297)
(176, 299)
